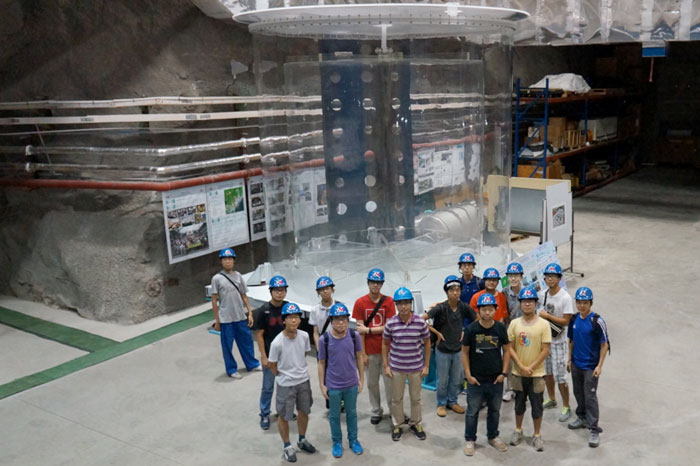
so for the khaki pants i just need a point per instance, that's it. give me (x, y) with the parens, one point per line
(398, 387)
(375, 370)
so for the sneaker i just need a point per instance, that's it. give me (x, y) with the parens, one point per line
(396, 434)
(549, 404)
(441, 411)
(236, 376)
(508, 395)
(337, 450)
(577, 423)
(464, 387)
(290, 454)
(306, 446)
(498, 444)
(593, 439)
(356, 447)
(417, 430)
(538, 443)
(457, 408)
(294, 417)
(374, 420)
(256, 369)
(264, 422)
(565, 414)
(517, 437)
(469, 448)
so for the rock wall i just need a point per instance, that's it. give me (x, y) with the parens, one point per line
(103, 253)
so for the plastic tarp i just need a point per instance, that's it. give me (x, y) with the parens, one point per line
(566, 81)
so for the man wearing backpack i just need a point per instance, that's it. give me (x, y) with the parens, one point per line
(340, 376)
(269, 324)
(233, 315)
(371, 312)
(588, 344)
(447, 326)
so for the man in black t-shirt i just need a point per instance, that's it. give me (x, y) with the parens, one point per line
(447, 326)
(267, 325)
(484, 344)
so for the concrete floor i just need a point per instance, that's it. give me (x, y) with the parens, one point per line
(170, 403)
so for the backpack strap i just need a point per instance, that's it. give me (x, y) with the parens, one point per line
(601, 328)
(375, 310)
(231, 282)
(325, 326)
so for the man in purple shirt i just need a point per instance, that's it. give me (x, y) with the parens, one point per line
(341, 376)
(405, 336)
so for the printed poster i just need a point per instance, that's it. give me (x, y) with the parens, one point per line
(202, 219)
(533, 264)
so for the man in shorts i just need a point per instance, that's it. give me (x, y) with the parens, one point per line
(530, 337)
(287, 361)
(557, 308)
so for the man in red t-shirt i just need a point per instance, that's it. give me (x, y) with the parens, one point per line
(491, 279)
(372, 338)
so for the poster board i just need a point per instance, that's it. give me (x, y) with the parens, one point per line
(533, 263)
(439, 167)
(558, 214)
(203, 219)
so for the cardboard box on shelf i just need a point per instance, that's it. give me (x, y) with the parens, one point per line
(554, 170)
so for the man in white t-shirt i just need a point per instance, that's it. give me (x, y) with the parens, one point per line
(557, 308)
(287, 360)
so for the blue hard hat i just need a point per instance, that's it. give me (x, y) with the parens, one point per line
(403, 294)
(491, 273)
(338, 310)
(553, 268)
(228, 252)
(450, 281)
(466, 258)
(375, 275)
(528, 293)
(290, 308)
(584, 294)
(486, 299)
(278, 281)
(514, 267)
(323, 282)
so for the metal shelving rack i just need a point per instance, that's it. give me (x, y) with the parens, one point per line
(523, 107)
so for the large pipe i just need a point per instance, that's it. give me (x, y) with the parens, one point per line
(35, 183)
(31, 167)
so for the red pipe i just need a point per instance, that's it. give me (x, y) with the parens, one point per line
(129, 185)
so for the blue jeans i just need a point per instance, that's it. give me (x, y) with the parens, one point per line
(493, 394)
(349, 397)
(268, 388)
(449, 377)
(240, 333)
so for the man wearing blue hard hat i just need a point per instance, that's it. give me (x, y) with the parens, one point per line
(288, 363)
(406, 358)
(371, 312)
(588, 345)
(557, 309)
(233, 315)
(269, 324)
(447, 318)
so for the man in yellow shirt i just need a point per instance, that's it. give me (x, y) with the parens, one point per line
(530, 337)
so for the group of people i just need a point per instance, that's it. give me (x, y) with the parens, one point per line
(515, 345)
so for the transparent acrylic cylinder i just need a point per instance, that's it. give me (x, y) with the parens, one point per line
(386, 162)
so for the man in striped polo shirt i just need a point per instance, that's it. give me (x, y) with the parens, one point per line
(405, 335)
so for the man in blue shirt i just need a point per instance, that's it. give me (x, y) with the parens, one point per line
(470, 282)
(588, 345)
